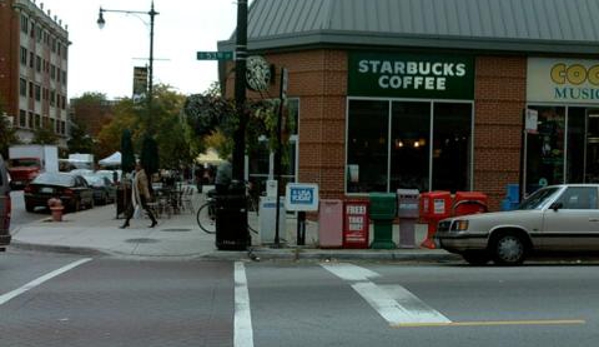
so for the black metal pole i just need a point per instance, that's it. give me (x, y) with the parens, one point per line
(152, 13)
(240, 89)
(521, 179)
(278, 154)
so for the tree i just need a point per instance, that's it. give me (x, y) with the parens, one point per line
(80, 141)
(8, 135)
(45, 135)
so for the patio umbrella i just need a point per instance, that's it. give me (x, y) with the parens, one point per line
(149, 155)
(127, 155)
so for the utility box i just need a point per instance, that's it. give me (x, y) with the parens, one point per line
(356, 225)
(330, 223)
(382, 214)
(408, 213)
(268, 216)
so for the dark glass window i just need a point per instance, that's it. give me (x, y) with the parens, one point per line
(545, 149)
(23, 55)
(576, 144)
(38, 92)
(30, 120)
(452, 137)
(22, 87)
(38, 63)
(410, 147)
(22, 118)
(367, 146)
(24, 23)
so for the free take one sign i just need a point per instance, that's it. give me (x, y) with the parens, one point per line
(411, 76)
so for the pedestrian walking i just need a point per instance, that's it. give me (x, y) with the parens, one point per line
(140, 194)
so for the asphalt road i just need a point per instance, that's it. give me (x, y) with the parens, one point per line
(58, 300)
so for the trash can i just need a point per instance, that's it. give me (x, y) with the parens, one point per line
(382, 214)
(231, 222)
(465, 203)
(268, 215)
(435, 206)
(356, 225)
(407, 211)
(330, 223)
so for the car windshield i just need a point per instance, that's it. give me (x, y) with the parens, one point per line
(54, 179)
(24, 162)
(538, 198)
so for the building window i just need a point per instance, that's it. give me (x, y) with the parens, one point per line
(38, 121)
(38, 63)
(408, 144)
(52, 71)
(63, 128)
(22, 118)
(64, 102)
(53, 45)
(64, 77)
(31, 60)
(38, 92)
(38, 33)
(367, 146)
(22, 87)
(32, 29)
(52, 98)
(23, 55)
(24, 23)
(31, 89)
(30, 120)
(57, 74)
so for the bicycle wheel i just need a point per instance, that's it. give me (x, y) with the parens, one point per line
(206, 220)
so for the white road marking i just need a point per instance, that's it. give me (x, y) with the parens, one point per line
(244, 335)
(350, 272)
(11, 295)
(394, 303)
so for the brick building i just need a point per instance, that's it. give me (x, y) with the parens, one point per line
(432, 94)
(33, 68)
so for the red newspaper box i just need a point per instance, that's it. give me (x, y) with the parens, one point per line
(469, 203)
(356, 224)
(434, 206)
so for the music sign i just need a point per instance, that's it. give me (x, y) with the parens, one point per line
(301, 197)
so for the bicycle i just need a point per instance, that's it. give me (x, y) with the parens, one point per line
(206, 215)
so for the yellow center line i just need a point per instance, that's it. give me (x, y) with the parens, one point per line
(494, 323)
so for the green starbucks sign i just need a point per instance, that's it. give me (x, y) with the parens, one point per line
(439, 76)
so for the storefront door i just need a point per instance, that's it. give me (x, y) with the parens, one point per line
(591, 163)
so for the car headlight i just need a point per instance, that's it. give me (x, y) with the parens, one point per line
(460, 225)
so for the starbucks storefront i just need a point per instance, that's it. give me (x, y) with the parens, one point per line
(409, 122)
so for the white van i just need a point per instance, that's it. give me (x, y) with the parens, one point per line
(5, 206)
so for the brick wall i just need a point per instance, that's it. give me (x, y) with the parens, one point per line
(500, 94)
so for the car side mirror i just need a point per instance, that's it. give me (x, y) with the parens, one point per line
(556, 206)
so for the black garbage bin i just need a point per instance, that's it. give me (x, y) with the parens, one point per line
(231, 222)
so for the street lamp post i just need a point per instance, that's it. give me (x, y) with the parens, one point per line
(152, 13)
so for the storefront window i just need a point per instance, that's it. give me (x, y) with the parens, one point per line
(410, 146)
(576, 144)
(367, 146)
(545, 149)
(452, 131)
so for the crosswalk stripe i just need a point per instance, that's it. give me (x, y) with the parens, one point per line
(394, 303)
(243, 334)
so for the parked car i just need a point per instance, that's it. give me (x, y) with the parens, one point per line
(104, 189)
(560, 218)
(5, 206)
(72, 190)
(111, 175)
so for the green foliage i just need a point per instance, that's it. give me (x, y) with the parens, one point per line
(45, 135)
(80, 141)
(8, 135)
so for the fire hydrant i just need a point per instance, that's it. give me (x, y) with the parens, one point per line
(56, 207)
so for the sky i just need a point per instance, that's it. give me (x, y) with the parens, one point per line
(102, 60)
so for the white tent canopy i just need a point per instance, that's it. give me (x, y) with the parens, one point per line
(209, 157)
(112, 160)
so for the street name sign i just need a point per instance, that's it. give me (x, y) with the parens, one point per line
(222, 55)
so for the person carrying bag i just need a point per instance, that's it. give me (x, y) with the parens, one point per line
(140, 195)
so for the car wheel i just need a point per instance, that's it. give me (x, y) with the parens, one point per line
(476, 258)
(509, 249)
(29, 207)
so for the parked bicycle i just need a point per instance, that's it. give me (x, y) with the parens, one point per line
(206, 215)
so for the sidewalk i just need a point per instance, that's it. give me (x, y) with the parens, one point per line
(96, 232)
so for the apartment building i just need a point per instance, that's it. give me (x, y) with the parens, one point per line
(33, 68)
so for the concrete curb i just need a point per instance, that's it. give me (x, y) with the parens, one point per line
(58, 249)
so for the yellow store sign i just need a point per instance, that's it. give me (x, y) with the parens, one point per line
(563, 80)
